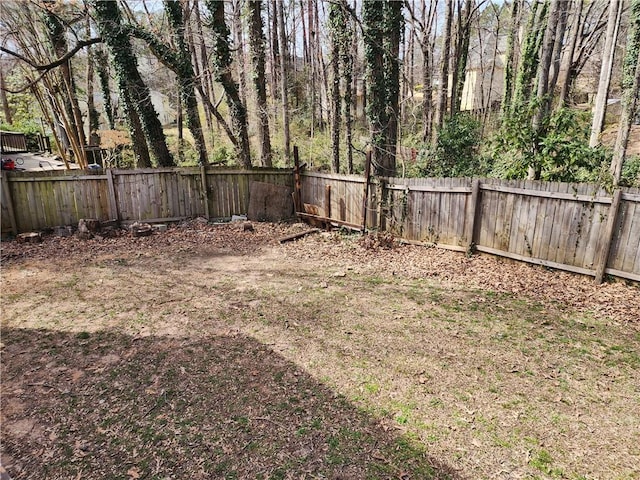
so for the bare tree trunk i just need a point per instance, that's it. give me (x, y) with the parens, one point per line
(567, 59)
(600, 105)
(257, 43)
(92, 113)
(459, 68)
(631, 92)
(275, 51)
(283, 83)
(5, 102)
(558, 45)
(441, 106)
(305, 43)
(239, 49)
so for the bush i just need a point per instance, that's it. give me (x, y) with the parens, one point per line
(560, 153)
(630, 175)
(457, 152)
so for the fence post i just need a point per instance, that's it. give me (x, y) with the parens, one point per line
(605, 246)
(113, 202)
(365, 197)
(205, 190)
(474, 221)
(7, 198)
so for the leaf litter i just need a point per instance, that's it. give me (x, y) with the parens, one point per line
(211, 351)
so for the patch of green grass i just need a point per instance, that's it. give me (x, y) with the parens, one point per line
(543, 461)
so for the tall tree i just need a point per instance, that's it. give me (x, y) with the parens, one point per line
(394, 26)
(6, 110)
(373, 35)
(425, 23)
(510, 61)
(257, 43)
(222, 67)
(445, 56)
(630, 91)
(608, 53)
(115, 36)
(565, 74)
(57, 36)
(460, 57)
(544, 87)
(336, 24)
(283, 82)
(382, 27)
(346, 64)
(93, 115)
(102, 65)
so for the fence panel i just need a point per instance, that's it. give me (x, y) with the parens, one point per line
(625, 246)
(347, 192)
(560, 225)
(45, 201)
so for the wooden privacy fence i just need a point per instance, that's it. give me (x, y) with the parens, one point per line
(576, 227)
(40, 200)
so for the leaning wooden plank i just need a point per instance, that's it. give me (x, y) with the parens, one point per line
(295, 236)
(352, 226)
(603, 254)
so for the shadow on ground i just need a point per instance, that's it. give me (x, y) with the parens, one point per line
(107, 405)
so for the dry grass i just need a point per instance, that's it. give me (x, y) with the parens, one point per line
(214, 353)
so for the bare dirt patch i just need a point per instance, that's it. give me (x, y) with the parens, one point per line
(214, 352)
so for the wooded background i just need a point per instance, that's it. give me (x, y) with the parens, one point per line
(515, 89)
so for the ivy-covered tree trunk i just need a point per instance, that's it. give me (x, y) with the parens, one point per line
(510, 55)
(94, 118)
(544, 88)
(394, 25)
(257, 42)
(102, 65)
(528, 66)
(336, 24)
(373, 33)
(114, 34)
(186, 78)
(630, 91)
(222, 68)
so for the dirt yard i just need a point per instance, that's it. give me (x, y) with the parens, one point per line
(213, 352)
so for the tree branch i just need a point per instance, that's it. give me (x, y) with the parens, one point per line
(50, 66)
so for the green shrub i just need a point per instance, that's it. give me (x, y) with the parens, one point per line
(457, 152)
(559, 150)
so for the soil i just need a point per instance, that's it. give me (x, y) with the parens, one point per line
(212, 351)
